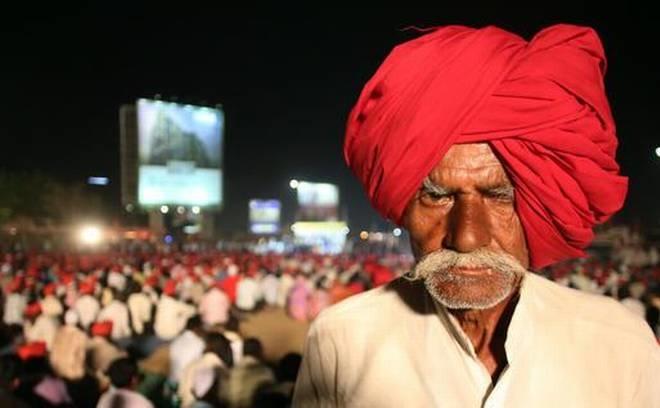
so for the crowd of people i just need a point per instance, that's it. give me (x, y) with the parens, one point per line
(163, 328)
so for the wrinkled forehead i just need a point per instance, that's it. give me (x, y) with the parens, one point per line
(474, 161)
(470, 156)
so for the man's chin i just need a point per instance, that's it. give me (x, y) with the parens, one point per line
(468, 295)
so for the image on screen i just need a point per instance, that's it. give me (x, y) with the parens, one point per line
(180, 156)
(265, 216)
(317, 201)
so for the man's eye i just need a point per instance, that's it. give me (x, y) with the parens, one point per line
(504, 197)
(433, 198)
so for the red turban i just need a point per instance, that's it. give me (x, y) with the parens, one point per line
(15, 285)
(32, 310)
(541, 105)
(102, 329)
(49, 289)
(34, 349)
(170, 287)
(86, 288)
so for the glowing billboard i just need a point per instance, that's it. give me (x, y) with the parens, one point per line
(179, 154)
(317, 201)
(265, 216)
(323, 236)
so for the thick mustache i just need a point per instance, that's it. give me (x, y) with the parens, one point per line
(446, 259)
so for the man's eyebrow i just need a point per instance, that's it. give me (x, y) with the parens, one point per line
(430, 187)
(500, 190)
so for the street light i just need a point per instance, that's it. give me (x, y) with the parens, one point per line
(657, 151)
(164, 209)
(294, 184)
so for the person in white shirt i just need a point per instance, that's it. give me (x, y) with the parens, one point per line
(116, 312)
(186, 348)
(446, 142)
(116, 280)
(286, 284)
(269, 287)
(69, 349)
(50, 304)
(248, 293)
(87, 307)
(171, 317)
(217, 356)
(140, 306)
(14, 306)
(43, 328)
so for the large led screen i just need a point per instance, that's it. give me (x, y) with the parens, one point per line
(317, 201)
(265, 216)
(180, 154)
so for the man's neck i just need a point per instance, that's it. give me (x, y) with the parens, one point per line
(487, 330)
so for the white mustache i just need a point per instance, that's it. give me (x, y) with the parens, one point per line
(443, 260)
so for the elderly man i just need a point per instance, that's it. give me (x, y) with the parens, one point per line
(497, 155)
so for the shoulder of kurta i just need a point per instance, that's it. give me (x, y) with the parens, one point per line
(371, 314)
(364, 306)
(602, 314)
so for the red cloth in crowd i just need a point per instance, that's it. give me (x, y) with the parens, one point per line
(49, 289)
(541, 105)
(170, 287)
(32, 271)
(32, 310)
(102, 329)
(228, 285)
(66, 278)
(381, 276)
(152, 280)
(35, 349)
(86, 288)
(16, 284)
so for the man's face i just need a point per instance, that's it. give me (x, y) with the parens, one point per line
(464, 230)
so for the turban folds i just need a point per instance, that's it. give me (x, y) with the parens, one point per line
(541, 106)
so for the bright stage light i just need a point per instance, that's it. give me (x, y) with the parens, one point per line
(90, 235)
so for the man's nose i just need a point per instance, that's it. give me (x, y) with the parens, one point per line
(468, 226)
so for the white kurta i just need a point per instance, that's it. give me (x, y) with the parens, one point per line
(51, 306)
(44, 329)
(184, 349)
(171, 317)
(248, 293)
(117, 313)
(88, 308)
(14, 308)
(269, 286)
(394, 347)
(140, 306)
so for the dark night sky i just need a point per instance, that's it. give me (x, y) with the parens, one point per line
(286, 79)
